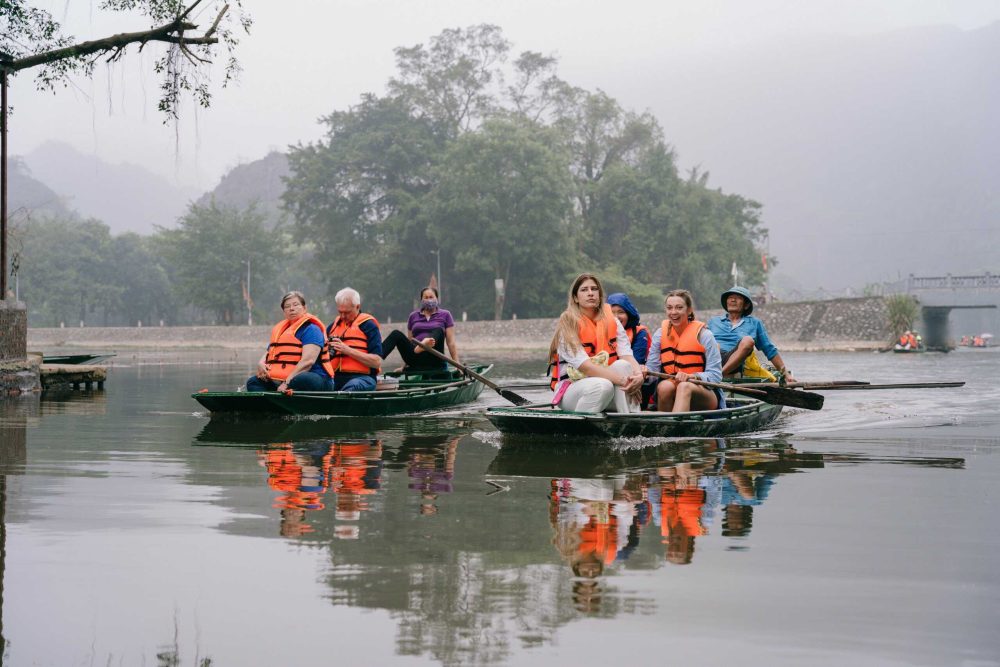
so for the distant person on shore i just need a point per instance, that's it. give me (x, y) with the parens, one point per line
(685, 348)
(628, 315)
(592, 364)
(296, 357)
(738, 333)
(355, 344)
(431, 324)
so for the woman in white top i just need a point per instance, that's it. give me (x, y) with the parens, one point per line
(586, 328)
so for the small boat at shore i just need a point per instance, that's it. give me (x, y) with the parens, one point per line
(902, 349)
(415, 392)
(741, 416)
(75, 359)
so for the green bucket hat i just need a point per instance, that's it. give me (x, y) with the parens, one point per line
(740, 291)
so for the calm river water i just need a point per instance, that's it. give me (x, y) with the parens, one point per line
(136, 531)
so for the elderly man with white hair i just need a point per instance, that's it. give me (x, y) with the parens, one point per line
(355, 344)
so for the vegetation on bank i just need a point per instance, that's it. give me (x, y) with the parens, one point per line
(477, 160)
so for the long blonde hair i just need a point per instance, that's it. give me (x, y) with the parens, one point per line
(568, 328)
(688, 300)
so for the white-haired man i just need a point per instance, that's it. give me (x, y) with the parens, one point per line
(355, 344)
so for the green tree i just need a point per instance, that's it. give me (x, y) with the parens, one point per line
(500, 207)
(356, 196)
(144, 293)
(66, 271)
(207, 257)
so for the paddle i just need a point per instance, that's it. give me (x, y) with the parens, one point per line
(795, 398)
(901, 385)
(516, 399)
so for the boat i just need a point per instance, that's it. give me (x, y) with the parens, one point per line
(411, 392)
(742, 415)
(902, 349)
(75, 359)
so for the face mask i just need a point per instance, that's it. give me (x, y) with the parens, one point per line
(428, 304)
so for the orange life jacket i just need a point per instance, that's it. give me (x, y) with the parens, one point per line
(285, 350)
(680, 512)
(684, 352)
(595, 337)
(600, 538)
(632, 333)
(355, 338)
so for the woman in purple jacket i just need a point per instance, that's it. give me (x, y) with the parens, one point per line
(431, 324)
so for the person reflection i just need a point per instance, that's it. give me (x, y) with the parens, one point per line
(595, 522)
(355, 474)
(680, 500)
(430, 467)
(304, 474)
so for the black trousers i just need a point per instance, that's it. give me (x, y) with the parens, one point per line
(398, 341)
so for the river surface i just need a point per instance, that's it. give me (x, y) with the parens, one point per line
(137, 531)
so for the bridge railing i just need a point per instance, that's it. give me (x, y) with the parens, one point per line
(948, 281)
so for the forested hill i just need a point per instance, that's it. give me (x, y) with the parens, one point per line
(30, 197)
(126, 197)
(257, 182)
(869, 153)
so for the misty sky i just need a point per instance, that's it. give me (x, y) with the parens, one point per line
(305, 58)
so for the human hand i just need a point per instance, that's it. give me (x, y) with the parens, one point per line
(338, 345)
(632, 382)
(681, 376)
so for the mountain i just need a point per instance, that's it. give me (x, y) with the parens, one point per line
(126, 197)
(30, 197)
(873, 156)
(257, 182)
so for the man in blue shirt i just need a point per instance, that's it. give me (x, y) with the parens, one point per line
(738, 333)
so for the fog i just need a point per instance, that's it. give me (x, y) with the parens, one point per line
(750, 91)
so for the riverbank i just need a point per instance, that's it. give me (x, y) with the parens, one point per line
(531, 336)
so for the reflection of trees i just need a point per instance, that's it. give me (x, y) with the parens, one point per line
(14, 416)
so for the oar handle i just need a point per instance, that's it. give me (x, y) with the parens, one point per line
(465, 369)
(713, 385)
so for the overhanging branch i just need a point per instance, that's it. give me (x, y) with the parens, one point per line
(170, 33)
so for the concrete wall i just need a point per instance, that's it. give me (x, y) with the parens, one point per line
(814, 325)
(13, 330)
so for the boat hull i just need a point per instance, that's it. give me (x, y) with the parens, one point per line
(743, 417)
(416, 393)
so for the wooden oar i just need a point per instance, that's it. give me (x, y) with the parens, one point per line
(901, 385)
(795, 398)
(516, 399)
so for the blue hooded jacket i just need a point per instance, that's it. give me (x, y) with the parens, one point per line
(640, 341)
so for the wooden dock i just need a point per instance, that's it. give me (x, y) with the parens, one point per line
(72, 376)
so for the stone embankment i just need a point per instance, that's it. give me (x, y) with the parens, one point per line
(842, 324)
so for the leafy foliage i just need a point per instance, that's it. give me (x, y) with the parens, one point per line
(510, 173)
(902, 311)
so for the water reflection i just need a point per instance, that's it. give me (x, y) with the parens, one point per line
(304, 473)
(530, 538)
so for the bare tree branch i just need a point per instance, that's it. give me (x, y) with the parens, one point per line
(171, 33)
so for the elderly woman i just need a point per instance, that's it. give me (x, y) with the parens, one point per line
(685, 348)
(590, 346)
(355, 344)
(295, 357)
(431, 324)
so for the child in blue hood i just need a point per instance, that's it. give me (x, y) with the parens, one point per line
(638, 334)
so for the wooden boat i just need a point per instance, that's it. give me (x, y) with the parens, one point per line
(416, 392)
(900, 349)
(741, 416)
(75, 359)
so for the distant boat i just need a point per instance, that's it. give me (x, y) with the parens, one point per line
(902, 349)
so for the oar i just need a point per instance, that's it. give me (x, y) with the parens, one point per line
(901, 385)
(795, 398)
(516, 399)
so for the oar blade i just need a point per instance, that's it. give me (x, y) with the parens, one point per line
(795, 398)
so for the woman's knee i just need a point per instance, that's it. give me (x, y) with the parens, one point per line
(746, 343)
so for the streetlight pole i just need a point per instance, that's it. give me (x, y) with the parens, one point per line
(3, 175)
(437, 253)
(249, 301)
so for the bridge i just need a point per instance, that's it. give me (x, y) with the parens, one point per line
(938, 296)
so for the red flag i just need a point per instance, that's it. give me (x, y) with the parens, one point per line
(763, 261)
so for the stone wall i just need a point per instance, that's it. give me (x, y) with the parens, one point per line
(13, 330)
(814, 325)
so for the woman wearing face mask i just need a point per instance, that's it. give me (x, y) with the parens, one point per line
(431, 324)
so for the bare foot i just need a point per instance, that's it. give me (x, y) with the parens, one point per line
(429, 342)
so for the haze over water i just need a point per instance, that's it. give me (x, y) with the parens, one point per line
(138, 531)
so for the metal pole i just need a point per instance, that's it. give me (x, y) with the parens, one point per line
(249, 300)
(440, 281)
(3, 183)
